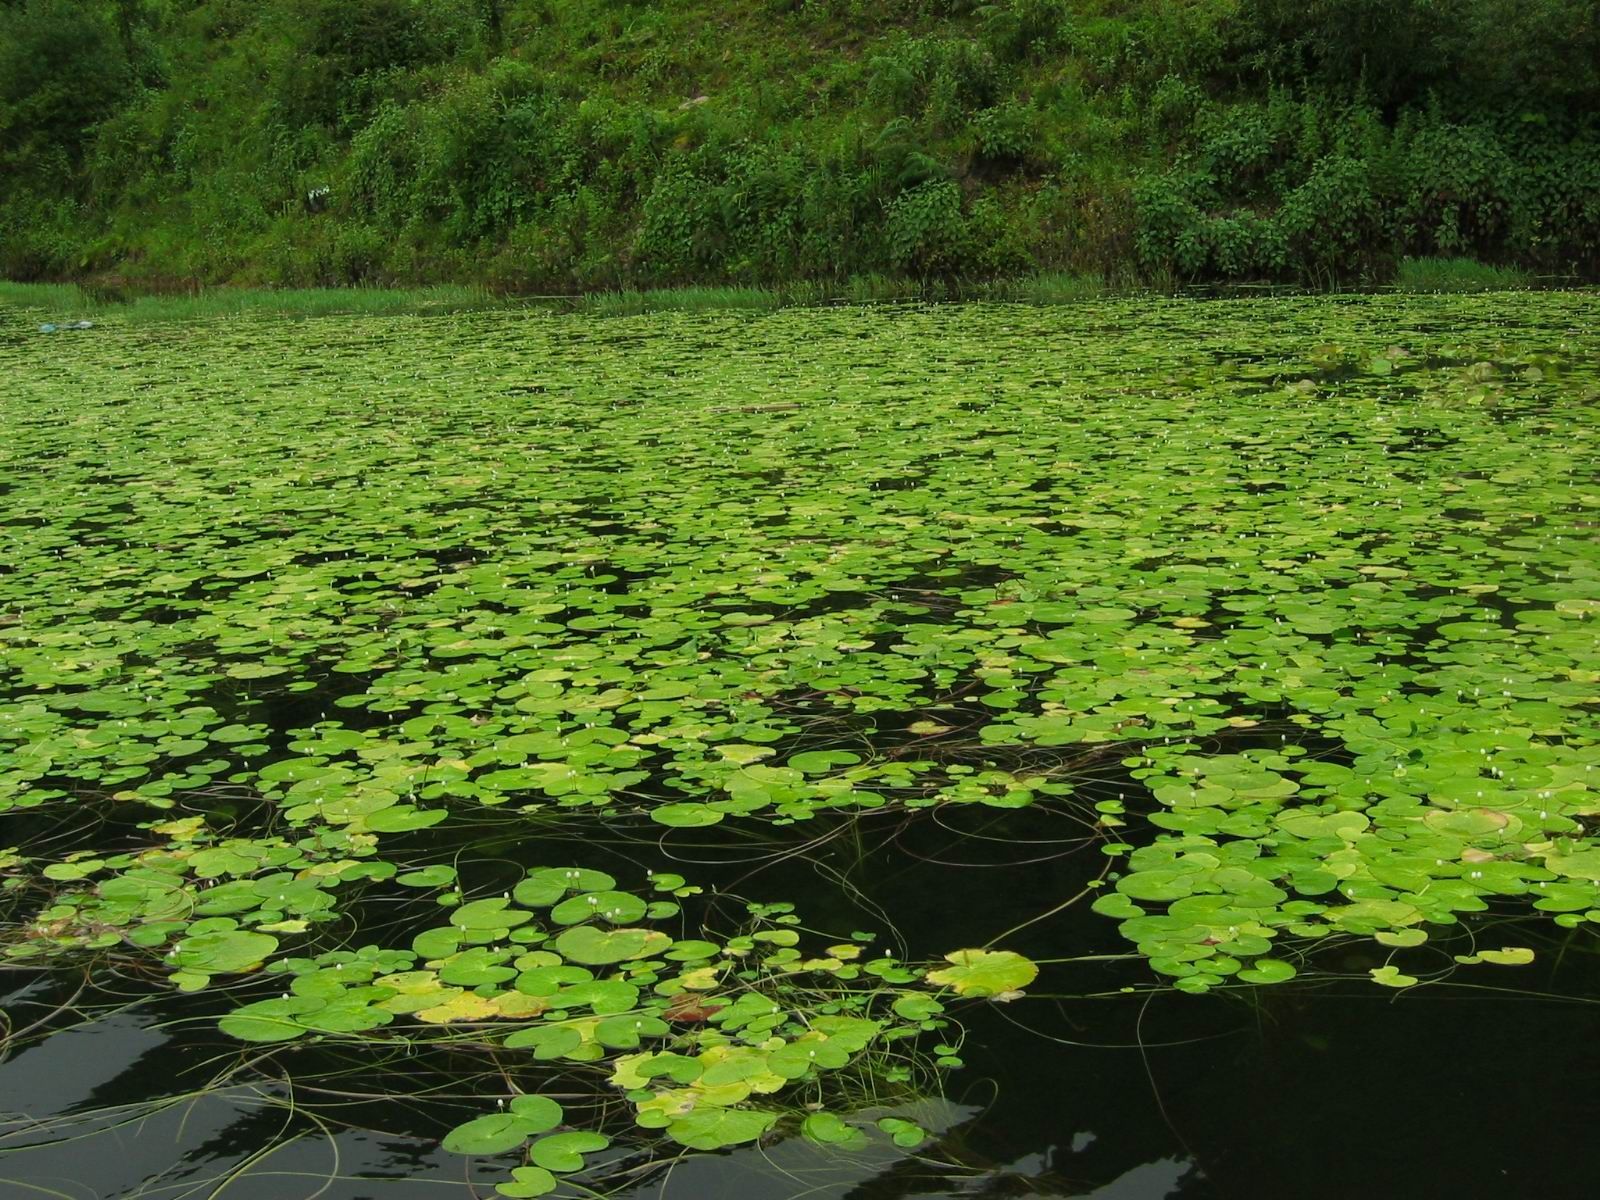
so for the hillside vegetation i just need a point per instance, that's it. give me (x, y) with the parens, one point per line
(562, 145)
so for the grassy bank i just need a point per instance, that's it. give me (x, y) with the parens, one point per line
(1457, 275)
(78, 301)
(624, 145)
(1052, 288)
(52, 302)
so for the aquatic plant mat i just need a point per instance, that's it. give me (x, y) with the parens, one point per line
(976, 750)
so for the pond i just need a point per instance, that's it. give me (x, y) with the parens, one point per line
(1134, 749)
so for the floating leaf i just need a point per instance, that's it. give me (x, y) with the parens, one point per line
(527, 1182)
(714, 1128)
(565, 1151)
(591, 946)
(906, 1134)
(493, 1134)
(547, 1041)
(266, 1021)
(827, 1129)
(1267, 970)
(463, 1007)
(617, 908)
(547, 885)
(1392, 977)
(985, 972)
(488, 914)
(1508, 956)
(686, 816)
(538, 1113)
(224, 953)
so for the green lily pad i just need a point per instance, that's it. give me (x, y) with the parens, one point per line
(225, 953)
(906, 1134)
(985, 972)
(1267, 970)
(827, 1129)
(1392, 977)
(686, 816)
(539, 1113)
(546, 886)
(616, 908)
(488, 914)
(591, 946)
(493, 1134)
(546, 1042)
(267, 1020)
(565, 1151)
(711, 1128)
(1508, 956)
(527, 1182)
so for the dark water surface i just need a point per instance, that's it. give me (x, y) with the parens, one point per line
(1332, 1090)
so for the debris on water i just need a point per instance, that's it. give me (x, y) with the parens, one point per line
(47, 327)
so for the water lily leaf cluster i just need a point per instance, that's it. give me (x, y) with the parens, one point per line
(1310, 645)
(698, 1036)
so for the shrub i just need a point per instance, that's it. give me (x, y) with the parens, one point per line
(336, 54)
(1026, 30)
(1329, 223)
(940, 78)
(679, 226)
(61, 71)
(926, 231)
(1008, 134)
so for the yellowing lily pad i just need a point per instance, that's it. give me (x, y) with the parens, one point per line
(985, 972)
(1508, 956)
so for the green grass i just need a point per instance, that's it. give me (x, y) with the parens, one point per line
(308, 302)
(1058, 287)
(1046, 288)
(1456, 275)
(64, 300)
(70, 299)
(59, 298)
(631, 302)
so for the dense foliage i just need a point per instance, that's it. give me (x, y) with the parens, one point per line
(598, 143)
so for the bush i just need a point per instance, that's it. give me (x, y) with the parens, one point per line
(335, 55)
(926, 232)
(61, 71)
(1396, 51)
(543, 144)
(1319, 193)
(679, 226)
(938, 78)
(1026, 30)
(1329, 224)
(1008, 134)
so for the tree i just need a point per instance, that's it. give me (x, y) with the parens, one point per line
(62, 70)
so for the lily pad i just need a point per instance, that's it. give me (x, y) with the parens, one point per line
(591, 946)
(225, 953)
(713, 1128)
(985, 972)
(565, 1151)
